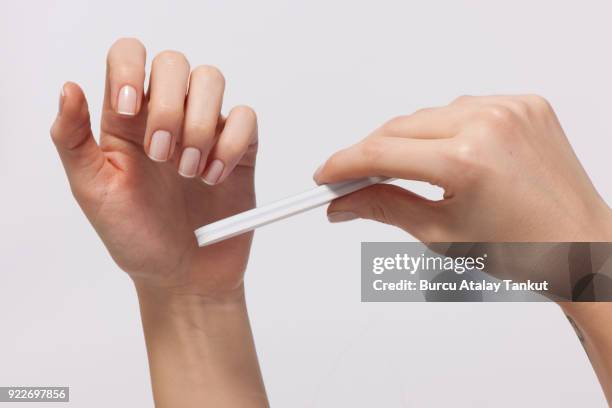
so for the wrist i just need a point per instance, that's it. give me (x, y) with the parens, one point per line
(178, 312)
(200, 348)
(187, 297)
(189, 294)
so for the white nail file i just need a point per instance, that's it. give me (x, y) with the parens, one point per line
(257, 217)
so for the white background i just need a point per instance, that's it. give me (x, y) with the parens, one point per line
(320, 74)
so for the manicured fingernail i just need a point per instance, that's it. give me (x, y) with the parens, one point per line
(190, 161)
(159, 149)
(341, 216)
(214, 172)
(127, 101)
(61, 101)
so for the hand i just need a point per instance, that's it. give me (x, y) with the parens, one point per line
(506, 167)
(508, 174)
(142, 188)
(199, 168)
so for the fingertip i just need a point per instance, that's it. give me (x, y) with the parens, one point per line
(72, 100)
(331, 171)
(317, 174)
(72, 88)
(73, 114)
(72, 136)
(322, 174)
(132, 43)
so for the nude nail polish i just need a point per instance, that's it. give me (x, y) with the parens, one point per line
(214, 172)
(159, 148)
(127, 101)
(189, 163)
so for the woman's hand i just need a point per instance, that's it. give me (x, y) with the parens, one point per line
(167, 163)
(508, 174)
(506, 167)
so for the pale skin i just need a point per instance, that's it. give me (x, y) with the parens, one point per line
(509, 175)
(145, 200)
(145, 195)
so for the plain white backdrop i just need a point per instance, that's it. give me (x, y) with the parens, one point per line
(321, 75)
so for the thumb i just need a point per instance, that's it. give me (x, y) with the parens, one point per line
(71, 133)
(391, 205)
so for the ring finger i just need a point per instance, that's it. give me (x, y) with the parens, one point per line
(206, 87)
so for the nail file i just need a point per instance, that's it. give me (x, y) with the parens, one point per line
(257, 217)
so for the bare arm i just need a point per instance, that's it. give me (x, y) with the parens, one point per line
(509, 175)
(593, 325)
(167, 162)
(201, 351)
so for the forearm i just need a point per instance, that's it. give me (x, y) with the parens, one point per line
(201, 352)
(593, 325)
(592, 322)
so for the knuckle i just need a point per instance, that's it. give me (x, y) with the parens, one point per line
(462, 99)
(423, 111)
(234, 150)
(499, 114)
(165, 112)
(372, 150)
(466, 157)
(496, 119)
(394, 124)
(538, 103)
(55, 136)
(199, 129)
(519, 106)
(209, 71)
(170, 57)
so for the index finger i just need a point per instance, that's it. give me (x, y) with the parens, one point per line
(409, 159)
(428, 123)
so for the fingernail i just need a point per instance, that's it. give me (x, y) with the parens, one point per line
(159, 149)
(190, 161)
(127, 101)
(341, 216)
(61, 101)
(214, 172)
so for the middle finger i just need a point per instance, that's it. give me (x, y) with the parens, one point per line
(169, 78)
